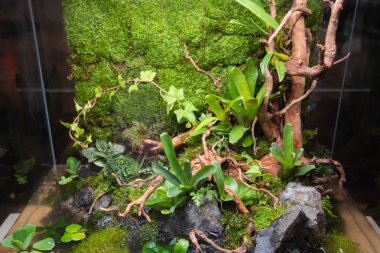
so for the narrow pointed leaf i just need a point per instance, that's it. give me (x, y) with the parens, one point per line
(166, 174)
(242, 86)
(202, 174)
(281, 70)
(288, 142)
(231, 85)
(304, 170)
(200, 128)
(219, 178)
(259, 12)
(236, 133)
(277, 152)
(167, 145)
(265, 62)
(216, 108)
(251, 73)
(187, 169)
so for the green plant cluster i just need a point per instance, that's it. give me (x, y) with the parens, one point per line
(109, 240)
(111, 37)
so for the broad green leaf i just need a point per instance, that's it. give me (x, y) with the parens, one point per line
(254, 170)
(248, 141)
(167, 145)
(121, 81)
(297, 155)
(232, 72)
(242, 86)
(18, 244)
(251, 74)
(304, 170)
(174, 191)
(133, 87)
(24, 235)
(202, 174)
(181, 246)
(65, 180)
(101, 145)
(187, 112)
(166, 174)
(202, 125)
(216, 108)
(78, 236)
(187, 169)
(265, 62)
(288, 142)
(276, 151)
(72, 165)
(219, 178)
(236, 133)
(147, 76)
(281, 70)
(73, 228)
(45, 244)
(259, 12)
(7, 242)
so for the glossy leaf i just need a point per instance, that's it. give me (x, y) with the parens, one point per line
(282, 57)
(201, 126)
(219, 178)
(288, 142)
(202, 174)
(216, 108)
(259, 12)
(248, 141)
(237, 133)
(232, 72)
(133, 87)
(281, 70)
(174, 191)
(78, 236)
(73, 228)
(45, 244)
(304, 170)
(251, 74)
(168, 147)
(166, 174)
(187, 169)
(265, 62)
(276, 151)
(181, 246)
(242, 86)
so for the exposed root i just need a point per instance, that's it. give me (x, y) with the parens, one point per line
(94, 203)
(153, 146)
(240, 205)
(338, 166)
(138, 202)
(214, 80)
(197, 233)
(137, 183)
(270, 164)
(241, 179)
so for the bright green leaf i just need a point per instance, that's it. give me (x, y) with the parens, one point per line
(133, 87)
(281, 70)
(304, 170)
(236, 133)
(45, 244)
(73, 228)
(147, 76)
(264, 63)
(121, 81)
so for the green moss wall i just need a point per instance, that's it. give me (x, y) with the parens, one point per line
(111, 37)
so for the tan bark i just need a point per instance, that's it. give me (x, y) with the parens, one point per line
(299, 54)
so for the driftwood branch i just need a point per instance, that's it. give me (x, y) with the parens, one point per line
(298, 100)
(156, 146)
(197, 68)
(138, 202)
(297, 68)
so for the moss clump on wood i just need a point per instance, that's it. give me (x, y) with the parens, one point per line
(109, 240)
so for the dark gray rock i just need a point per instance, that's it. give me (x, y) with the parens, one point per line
(103, 202)
(286, 234)
(206, 218)
(84, 197)
(77, 205)
(106, 221)
(309, 199)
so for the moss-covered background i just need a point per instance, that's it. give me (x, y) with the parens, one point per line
(111, 37)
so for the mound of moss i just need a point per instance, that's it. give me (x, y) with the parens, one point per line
(109, 240)
(112, 37)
